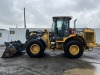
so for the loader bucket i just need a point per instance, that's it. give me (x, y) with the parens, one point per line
(12, 49)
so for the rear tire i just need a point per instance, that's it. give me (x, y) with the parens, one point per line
(73, 49)
(33, 46)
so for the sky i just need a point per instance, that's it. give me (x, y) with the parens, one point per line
(39, 13)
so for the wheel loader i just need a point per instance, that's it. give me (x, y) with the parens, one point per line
(61, 37)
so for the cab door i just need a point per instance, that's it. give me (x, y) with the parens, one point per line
(59, 29)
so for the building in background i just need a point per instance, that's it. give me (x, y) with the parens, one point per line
(20, 33)
(97, 31)
(4, 36)
(14, 34)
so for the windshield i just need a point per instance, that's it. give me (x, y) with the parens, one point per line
(59, 24)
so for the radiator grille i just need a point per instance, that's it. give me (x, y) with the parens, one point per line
(89, 36)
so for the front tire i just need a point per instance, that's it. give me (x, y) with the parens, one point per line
(35, 49)
(73, 49)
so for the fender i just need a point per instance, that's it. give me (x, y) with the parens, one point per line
(78, 38)
(39, 39)
(82, 39)
(44, 43)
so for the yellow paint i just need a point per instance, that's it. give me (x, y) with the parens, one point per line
(35, 48)
(71, 35)
(32, 33)
(46, 38)
(65, 38)
(59, 45)
(74, 49)
(90, 42)
(88, 30)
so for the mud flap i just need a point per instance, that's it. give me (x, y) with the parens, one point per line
(12, 49)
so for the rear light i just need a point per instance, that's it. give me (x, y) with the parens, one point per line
(71, 30)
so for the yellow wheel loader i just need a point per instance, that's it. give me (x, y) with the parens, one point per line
(61, 37)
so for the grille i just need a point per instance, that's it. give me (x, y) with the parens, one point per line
(89, 37)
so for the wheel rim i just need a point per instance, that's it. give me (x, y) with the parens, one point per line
(35, 48)
(74, 49)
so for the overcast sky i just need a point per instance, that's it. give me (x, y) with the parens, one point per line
(39, 13)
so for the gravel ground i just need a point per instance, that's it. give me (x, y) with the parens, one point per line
(53, 63)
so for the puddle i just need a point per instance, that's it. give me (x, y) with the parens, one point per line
(84, 71)
(80, 71)
(97, 69)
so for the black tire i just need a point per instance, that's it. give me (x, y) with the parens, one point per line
(67, 49)
(40, 53)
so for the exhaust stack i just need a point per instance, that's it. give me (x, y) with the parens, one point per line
(75, 24)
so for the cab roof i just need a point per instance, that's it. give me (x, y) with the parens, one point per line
(61, 17)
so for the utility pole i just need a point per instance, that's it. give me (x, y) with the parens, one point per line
(24, 19)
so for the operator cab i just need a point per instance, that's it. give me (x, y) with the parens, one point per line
(61, 27)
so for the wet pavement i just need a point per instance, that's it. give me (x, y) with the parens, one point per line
(53, 63)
